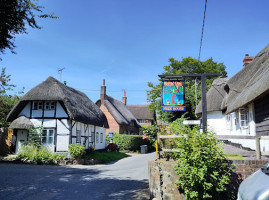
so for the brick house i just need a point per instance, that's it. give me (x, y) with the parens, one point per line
(142, 114)
(120, 119)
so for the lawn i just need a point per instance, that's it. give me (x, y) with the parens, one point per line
(233, 156)
(106, 157)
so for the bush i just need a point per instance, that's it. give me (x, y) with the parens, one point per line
(151, 132)
(34, 137)
(128, 142)
(203, 170)
(112, 147)
(76, 150)
(38, 155)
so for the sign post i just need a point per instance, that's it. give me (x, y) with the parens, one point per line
(203, 80)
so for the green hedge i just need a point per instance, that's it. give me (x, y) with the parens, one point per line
(128, 142)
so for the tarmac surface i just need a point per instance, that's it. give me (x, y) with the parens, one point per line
(124, 179)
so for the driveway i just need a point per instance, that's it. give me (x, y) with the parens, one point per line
(125, 179)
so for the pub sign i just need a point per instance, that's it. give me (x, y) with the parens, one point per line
(173, 95)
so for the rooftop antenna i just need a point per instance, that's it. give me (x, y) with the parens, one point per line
(60, 71)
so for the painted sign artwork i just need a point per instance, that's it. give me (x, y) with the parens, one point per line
(173, 96)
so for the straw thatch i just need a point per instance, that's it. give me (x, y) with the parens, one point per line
(119, 111)
(248, 84)
(141, 112)
(79, 107)
(21, 122)
(214, 96)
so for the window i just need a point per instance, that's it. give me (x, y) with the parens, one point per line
(228, 121)
(101, 137)
(78, 134)
(49, 105)
(141, 121)
(40, 105)
(97, 138)
(47, 136)
(34, 105)
(243, 117)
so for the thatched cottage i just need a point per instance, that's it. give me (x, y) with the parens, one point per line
(120, 119)
(142, 114)
(246, 101)
(67, 115)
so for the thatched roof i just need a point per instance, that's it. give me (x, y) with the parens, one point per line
(21, 122)
(79, 107)
(141, 112)
(248, 84)
(119, 111)
(214, 96)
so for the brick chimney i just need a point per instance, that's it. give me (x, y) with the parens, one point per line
(103, 92)
(124, 98)
(247, 60)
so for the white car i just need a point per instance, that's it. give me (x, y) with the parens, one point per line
(256, 186)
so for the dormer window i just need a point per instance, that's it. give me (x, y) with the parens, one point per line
(37, 105)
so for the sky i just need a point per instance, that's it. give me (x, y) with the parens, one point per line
(128, 42)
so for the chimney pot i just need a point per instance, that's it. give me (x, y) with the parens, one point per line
(124, 98)
(104, 82)
(248, 59)
(103, 92)
(64, 82)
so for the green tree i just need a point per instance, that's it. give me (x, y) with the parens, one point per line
(15, 16)
(187, 65)
(7, 101)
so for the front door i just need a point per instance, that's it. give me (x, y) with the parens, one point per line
(22, 137)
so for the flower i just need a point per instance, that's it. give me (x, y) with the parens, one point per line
(144, 136)
(168, 132)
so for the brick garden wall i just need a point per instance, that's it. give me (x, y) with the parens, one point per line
(162, 177)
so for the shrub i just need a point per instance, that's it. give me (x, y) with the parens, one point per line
(34, 137)
(112, 147)
(90, 151)
(151, 132)
(128, 142)
(203, 170)
(38, 155)
(76, 150)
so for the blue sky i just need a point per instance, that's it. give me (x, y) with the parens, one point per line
(127, 42)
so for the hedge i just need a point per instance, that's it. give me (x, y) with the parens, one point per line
(128, 142)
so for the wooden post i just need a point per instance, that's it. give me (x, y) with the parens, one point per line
(204, 104)
(258, 148)
(156, 143)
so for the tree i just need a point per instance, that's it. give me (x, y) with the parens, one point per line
(7, 102)
(15, 15)
(187, 65)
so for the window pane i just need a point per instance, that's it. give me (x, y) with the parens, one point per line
(101, 138)
(43, 140)
(50, 140)
(40, 105)
(50, 133)
(52, 105)
(44, 133)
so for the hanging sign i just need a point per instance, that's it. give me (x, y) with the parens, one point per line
(173, 96)
(110, 134)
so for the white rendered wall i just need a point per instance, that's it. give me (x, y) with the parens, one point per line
(100, 144)
(26, 110)
(217, 123)
(63, 127)
(60, 113)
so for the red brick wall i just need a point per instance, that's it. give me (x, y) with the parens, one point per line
(113, 125)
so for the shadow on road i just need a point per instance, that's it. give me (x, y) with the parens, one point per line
(52, 182)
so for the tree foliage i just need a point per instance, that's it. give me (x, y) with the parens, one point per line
(187, 65)
(15, 16)
(7, 101)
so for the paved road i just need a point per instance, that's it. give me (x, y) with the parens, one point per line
(124, 179)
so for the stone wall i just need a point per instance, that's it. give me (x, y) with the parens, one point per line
(162, 177)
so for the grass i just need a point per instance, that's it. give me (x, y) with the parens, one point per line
(106, 157)
(233, 156)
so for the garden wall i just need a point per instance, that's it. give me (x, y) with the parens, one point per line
(162, 177)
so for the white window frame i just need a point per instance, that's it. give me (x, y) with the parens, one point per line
(78, 136)
(243, 117)
(46, 135)
(40, 105)
(101, 137)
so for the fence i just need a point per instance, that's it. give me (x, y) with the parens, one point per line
(257, 152)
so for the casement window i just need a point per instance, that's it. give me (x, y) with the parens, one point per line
(47, 136)
(101, 137)
(78, 138)
(49, 105)
(37, 105)
(97, 137)
(141, 121)
(243, 117)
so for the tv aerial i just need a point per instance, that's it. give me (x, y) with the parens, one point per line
(60, 71)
